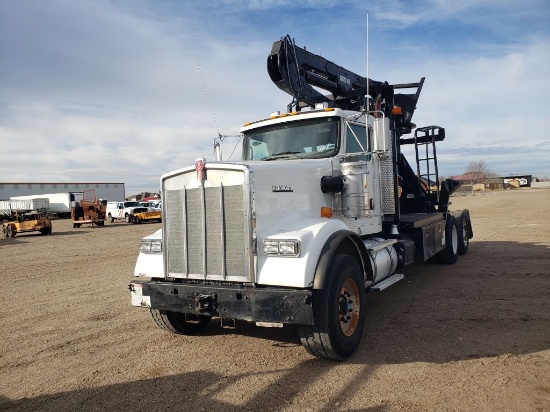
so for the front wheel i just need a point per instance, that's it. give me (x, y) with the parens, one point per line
(339, 312)
(180, 323)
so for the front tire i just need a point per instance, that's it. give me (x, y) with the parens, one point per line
(179, 323)
(339, 312)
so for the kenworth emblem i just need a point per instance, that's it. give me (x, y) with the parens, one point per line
(199, 168)
(283, 188)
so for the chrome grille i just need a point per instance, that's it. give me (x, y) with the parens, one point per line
(206, 232)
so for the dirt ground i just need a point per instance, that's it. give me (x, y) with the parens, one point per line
(474, 336)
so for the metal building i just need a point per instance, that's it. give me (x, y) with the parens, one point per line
(113, 192)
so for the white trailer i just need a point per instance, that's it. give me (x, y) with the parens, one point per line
(60, 204)
(9, 206)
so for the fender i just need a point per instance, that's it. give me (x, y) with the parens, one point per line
(336, 242)
(296, 272)
(466, 212)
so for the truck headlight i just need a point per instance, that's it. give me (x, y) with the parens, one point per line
(282, 247)
(150, 246)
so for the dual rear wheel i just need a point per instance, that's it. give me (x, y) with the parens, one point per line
(458, 231)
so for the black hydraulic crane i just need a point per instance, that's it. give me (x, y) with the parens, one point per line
(299, 72)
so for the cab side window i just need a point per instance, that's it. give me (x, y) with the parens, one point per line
(358, 140)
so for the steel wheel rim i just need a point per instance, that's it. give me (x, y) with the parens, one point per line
(348, 307)
(454, 234)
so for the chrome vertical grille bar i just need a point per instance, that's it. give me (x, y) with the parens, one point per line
(204, 234)
(222, 233)
(185, 240)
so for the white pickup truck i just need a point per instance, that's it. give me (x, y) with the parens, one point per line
(123, 210)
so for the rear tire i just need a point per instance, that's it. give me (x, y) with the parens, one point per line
(179, 323)
(462, 223)
(339, 312)
(111, 219)
(10, 232)
(449, 255)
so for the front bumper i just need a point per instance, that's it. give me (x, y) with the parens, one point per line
(270, 305)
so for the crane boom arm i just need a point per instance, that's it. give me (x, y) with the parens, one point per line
(301, 73)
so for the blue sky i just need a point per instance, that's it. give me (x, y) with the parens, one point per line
(110, 90)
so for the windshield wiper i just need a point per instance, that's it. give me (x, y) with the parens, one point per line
(281, 155)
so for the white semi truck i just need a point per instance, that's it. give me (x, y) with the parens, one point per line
(322, 208)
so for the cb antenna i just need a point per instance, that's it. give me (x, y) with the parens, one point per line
(219, 138)
(209, 101)
(368, 79)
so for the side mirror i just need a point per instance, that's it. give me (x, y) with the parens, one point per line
(217, 151)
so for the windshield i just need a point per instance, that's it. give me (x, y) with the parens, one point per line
(129, 204)
(311, 138)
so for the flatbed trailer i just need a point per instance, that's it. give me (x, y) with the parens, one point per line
(26, 222)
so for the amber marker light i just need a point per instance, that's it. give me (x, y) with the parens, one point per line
(396, 111)
(326, 212)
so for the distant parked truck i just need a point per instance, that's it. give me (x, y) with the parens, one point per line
(60, 204)
(124, 211)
